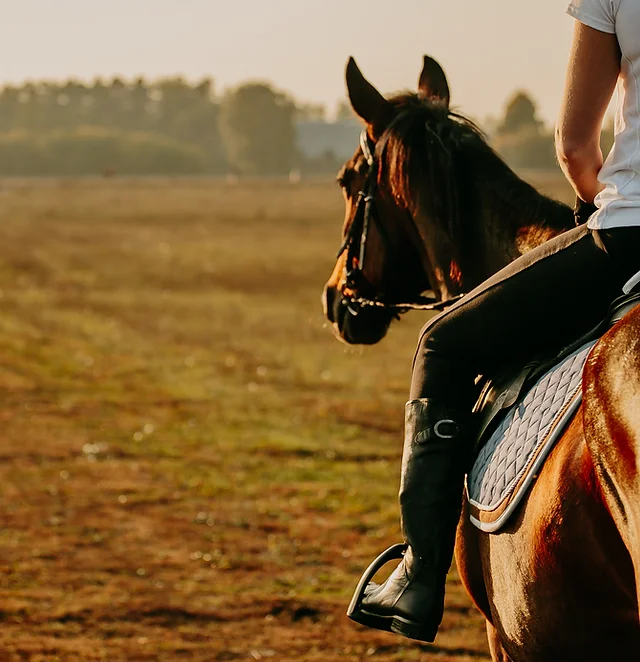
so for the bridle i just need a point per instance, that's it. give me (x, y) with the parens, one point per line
(357, 250)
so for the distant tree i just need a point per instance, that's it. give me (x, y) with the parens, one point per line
(311, 112)
(520, 114)
(344, 111)
(258, 129)
(169, 112)
(521, 138)
(96, 150)
(527, 150)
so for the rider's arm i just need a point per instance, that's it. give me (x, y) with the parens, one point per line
(594, 66)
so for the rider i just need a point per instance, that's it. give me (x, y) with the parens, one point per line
(518, 311)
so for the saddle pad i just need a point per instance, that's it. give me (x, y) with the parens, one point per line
(507, 464)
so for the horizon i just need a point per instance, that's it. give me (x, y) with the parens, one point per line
(235, 44)
(330, 110)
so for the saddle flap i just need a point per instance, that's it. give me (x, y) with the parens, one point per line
(508, 462)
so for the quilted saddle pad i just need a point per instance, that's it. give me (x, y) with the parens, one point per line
(508, 463)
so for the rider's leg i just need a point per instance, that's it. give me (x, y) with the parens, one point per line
(542, 300)
(411, 601)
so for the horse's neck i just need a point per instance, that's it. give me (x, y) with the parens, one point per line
(513, 219)
(499, 217)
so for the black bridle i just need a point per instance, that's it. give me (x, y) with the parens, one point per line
(356, 250)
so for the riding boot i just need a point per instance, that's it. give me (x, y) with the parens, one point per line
(411, 601)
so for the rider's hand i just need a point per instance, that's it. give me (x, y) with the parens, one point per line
(583, 210)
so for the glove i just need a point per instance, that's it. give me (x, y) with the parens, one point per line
(582, 211)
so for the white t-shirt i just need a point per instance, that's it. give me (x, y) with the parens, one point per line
(619, 203)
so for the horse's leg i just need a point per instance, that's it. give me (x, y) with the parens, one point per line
(498, 653)
(470, 569)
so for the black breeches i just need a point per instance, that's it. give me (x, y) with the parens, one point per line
(540, 302)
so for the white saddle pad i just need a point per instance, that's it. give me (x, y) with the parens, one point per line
(508, 462)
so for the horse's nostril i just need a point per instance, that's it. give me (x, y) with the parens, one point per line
(328, 298)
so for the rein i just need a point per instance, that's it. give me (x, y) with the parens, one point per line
(422, 303)
(357, 249)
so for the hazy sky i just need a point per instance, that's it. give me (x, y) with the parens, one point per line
(487, 47)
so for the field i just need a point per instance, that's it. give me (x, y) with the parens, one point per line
(191, 466)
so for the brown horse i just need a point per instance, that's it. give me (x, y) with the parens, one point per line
(559, 581)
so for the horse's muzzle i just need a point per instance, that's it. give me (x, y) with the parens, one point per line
(355, 325)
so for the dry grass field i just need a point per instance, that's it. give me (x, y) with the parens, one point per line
(191, 466)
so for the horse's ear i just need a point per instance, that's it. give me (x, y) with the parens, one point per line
(432, 83)
(366, 101)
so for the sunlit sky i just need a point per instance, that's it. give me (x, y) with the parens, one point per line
(488, 48)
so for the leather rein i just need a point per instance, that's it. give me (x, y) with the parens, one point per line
(355, 243)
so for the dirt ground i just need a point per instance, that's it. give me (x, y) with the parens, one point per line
(191, 466)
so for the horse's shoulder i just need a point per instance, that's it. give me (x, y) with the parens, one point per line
(613, 366)
(611, 401)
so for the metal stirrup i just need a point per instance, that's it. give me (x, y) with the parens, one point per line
(394, 553)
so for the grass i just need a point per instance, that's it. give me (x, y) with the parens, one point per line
(191, 466)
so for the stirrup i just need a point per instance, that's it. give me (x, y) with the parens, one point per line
(394, 553)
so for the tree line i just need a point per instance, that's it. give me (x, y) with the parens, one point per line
(523, 140)
(172, 126)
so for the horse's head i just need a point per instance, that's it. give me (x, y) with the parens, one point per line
(398, 237)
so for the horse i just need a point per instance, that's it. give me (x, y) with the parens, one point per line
(560, 581)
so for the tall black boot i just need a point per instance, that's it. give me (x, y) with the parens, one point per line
(411, 601)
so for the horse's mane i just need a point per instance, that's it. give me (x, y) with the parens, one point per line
(427, 157)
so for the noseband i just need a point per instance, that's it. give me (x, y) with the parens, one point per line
(355, 243)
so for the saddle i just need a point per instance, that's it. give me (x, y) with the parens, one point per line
(521, 414)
